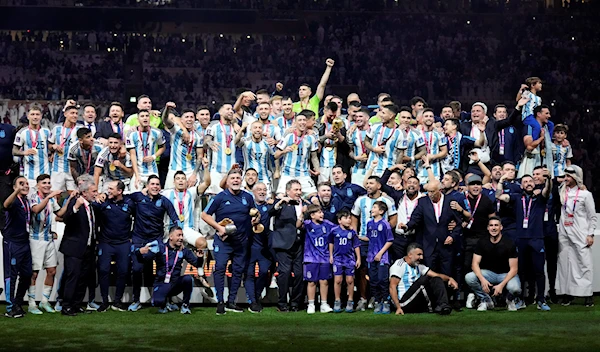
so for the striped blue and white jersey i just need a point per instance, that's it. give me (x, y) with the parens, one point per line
(560, 155)
(38, 163)
(201, 131)
(283, 123)
(456, 145)
(145, 144)
(534, 101)
(105, 159)
(85, 158)
(64, 137)
(329, 151)
(362, 210)
(406, 274)
(357, 140)
(223, 135)
(414, 142)
(183, 202)
(257, 155)
(183, 155)
(41, 223)
(434, 141)
(296, 163)
(392, 139)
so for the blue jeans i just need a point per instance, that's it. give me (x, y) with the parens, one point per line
(513, 286)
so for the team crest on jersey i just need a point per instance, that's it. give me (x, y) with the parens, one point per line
(349, 192)
(349, 235)
(180, 255)
(380, 227)
(333, 208)
(216, 249)
(108, 207)
(264, 208)
(324, 229)
(17, 139)
(159, 203)
(511, 130)
(244, 201)
(2, 134)
(125, 207)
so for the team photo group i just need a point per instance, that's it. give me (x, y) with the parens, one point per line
(402, 209)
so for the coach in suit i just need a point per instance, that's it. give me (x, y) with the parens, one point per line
(431, 218)
(78, 246)
(287, 240)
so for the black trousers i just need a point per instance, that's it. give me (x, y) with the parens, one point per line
(398, 249)
(551, 248)
(290, 261)
(6, 189)
(76, 279)
(424, 295)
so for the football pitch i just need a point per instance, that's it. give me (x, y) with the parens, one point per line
(575, 328)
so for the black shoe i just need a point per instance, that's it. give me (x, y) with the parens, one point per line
(221, 308)
(103, 308)
(567, 300)
(444, 309)
(68, 312)
(14, 313)
(79, 310)
(119, 307)
(457, 306)
(283, 309)
(295, 309)
(589, 301)
(254, 308)
(232, 307)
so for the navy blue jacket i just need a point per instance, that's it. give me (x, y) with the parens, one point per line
(160, 258)
(149, 222)
(348, 193)
(115, 219)
(16, 221)
(261, 240)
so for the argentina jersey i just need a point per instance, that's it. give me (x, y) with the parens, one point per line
(183, 155)
(533, 102)
(38, 163)
(391, 139)
(65, 138)
(455, 145)
(414, 142)
(362, 209)
(201, 131)
(434, 142)
(41, 223)
(357, 139)
(222, 159)
(296, 162)
(105, 161)
(329, 151)
(183, 202)
(560, 155)
(145, 144)
(283, 123)
(257, 155)
(85, 158)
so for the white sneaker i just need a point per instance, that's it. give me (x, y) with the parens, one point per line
(490, 304)
(325, 308)
(273, 282)
(310, 309)
(470, 301)
(482, 307)
(361, 305)
(371, 304)
(511, 306)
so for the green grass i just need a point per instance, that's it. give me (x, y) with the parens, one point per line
(576, 328)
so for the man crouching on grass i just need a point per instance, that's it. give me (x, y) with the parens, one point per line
(169, 281)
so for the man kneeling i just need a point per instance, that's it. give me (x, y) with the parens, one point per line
(495, 267)
(415, 288)
(169, 281)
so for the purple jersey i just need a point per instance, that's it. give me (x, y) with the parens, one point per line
(379, 232)
(316, 244)
(344, 242)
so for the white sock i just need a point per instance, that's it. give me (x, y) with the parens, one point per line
(46, 293)
(31, 296)
(201, 271)
(311, 302)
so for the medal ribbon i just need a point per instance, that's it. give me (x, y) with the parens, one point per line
(574, 200)
(228, 136)
(145, 146)
(169, 272)
(527, 210)
(180, 203)
(37, 136)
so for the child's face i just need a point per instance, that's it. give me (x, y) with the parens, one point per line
(375, 211)
(317, 216)
(345, 221)
(538, 86)
(560, 136)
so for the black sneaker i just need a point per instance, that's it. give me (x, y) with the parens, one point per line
(221, 308)
(589, 302)
(232, 307)
(119, 307)
(68, 312)
(457, 306)
(254, 308)
(103, 308)
(295, 309)
(283, 309)
(14, 313)
(443, 309)
(567, 300)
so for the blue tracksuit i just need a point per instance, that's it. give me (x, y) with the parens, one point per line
(259, 253)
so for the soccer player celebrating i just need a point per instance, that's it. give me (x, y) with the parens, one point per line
(435, 145)
(286, 120)
(44, 254)
(257, 152)
(112, 164)
(61, 139)
(169, 264)
(295, 148)
(344, 254)
(357, 134)
(31, 143)
(83, 153)
(16, 250)
(306, 102)
(330, 139)
(143, 103)
(415, 144)
(185, 155)
(385, 141)
(458, 144)
(145, 145)
(218, 141)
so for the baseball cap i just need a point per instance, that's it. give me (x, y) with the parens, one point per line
(474, 180)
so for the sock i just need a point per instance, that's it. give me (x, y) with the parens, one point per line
(201, 271)
(323, 302)
(311, 302)
(46, 293)
(31, 296)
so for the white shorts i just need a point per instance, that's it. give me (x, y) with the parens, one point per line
(307, 183)
(325, 174)
(43, 254)
(133, 187)
(62, 181)
(215, 181)
(190, 236)
(170, 180)
(358, 177)
(32, 186)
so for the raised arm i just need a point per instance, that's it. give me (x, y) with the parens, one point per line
(168, 116)
(321, 87)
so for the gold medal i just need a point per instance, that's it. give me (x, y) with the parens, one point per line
(294, 146)
(60, 153)
(189, 156)
(112, 167)
(181, 217)
(329, 148)
(228, 151)
(364, 155)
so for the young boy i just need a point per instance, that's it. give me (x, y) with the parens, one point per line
(344, 254)
(561, 155)
(380, 237)
(532, 86)
(316, 257)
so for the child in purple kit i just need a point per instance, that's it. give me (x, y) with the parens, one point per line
(316, 257)
(380, 237)
(344, 254)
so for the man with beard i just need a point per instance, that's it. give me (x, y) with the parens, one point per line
(286, 120)
(435, 145)
(83, 154)
(415, 143)
(145, 145)
(89, 118)
(257, 150)
(385, 141)
(328, 203)
(347, 192)
(406, 206)
(489, 189)
(61, 140)
(473, 130)
(201, 123)
(113, 125)
(529, 208)
(538, 148)
(270, 131)
(332, 141)
(361, 212)
(233, 204)
(312, 103)
(506, 210)
(218, 143)
(113, 165)
(357, 134)
(143, 103)
(459, 144)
